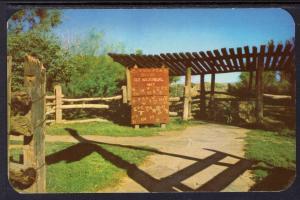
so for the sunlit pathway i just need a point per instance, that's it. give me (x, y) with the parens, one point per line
(206, 157)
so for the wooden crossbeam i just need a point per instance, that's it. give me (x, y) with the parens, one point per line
(179, 60)
(137, 60)
(204, 65)
(269, 56)
(276, 56)
(253, 56)
(240, 58)
(189, 62)
(172, 68)
(247, 55)
(233, 58)
(198, 67)
(220, 59)
(289, 65)
(177, 67)
(284, 56)
(213, 61)
(216, 61)
(227, 58)
(261, 54)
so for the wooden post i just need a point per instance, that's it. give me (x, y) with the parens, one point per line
(250, 80)
(212, 94)
(35, 81)
(58, 103)
(124, 94)
(128, 79)
(259, 91)
(212, 87)
(202, 96)
(187, 94)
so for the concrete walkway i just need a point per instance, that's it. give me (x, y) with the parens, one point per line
(206, 157)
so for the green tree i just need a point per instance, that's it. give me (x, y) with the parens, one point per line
(95, 76)
(29, 32)
(46, 48)
(95, 73)
(38, 19)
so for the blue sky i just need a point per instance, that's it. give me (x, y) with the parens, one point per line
(179, 30)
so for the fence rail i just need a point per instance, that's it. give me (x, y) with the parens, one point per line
(57, 103)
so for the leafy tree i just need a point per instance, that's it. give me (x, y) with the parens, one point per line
(95, 76)
(139, 52)
(47, 49)
(29, 32)
(95, 73)
(39, 19)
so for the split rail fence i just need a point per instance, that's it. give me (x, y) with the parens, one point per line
(57, 103)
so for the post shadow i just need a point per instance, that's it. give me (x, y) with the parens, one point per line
(171, 183)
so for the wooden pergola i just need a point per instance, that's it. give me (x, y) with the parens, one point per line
(253, 60)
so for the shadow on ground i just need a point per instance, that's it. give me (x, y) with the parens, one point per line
(278, 179)
(171, 183)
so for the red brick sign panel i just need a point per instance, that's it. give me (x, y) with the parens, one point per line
(150, 95)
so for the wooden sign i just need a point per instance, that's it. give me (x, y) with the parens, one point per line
(149, 95)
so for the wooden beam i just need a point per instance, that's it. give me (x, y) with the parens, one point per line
(247, 55)
(128, 79)
(202, 96)
(212, 86)
(84, 106)
(118, 97)
(250, 80)
(205, 67)
(233, 57)
(124, 94)
(213, 61)
(187, 93)
(212, 95)
(269, 56)
(35, 81)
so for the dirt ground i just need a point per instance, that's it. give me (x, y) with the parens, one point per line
(206, 157)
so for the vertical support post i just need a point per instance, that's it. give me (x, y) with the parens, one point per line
(212, 94)
(250, 80)
(202, 96)
(212, 87)
(124, 93)
(58, 103)
(128, 79)
(259, 91)
(35, 81)
(187, 93)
